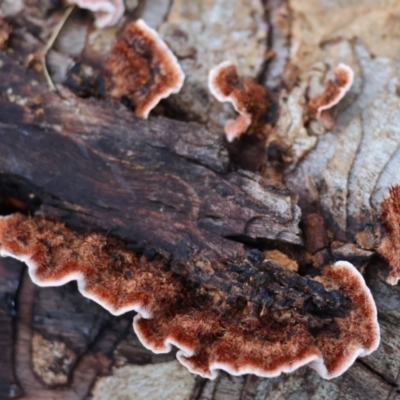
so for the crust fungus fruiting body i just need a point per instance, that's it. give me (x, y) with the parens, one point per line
(390, 246)
(106, 12)
(249, 316)
(334, 91)
(142, 69)
(248, 98)
(268, 342)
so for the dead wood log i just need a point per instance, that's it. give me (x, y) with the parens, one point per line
(163, 182)
(168, 186)
(160, 185)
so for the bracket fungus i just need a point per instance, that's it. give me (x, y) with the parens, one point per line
(106, 12)
(390, 246)
(142, 69)
(334, 91)
(248, 98)
(247, 316)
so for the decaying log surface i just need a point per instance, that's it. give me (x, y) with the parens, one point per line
(152, 180)
(171, 185)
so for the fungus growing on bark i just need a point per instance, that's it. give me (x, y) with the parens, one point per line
(333, 93)
(142, 70)
(5, 31)
(390, 246)
(247, 316)
(248, 98)
(273, 338)
(106, 12)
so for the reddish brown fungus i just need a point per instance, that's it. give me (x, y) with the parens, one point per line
(390, 246)
(248, 98)
(5, 31)
(106, 12)
(248, 316)
(333, 93)
(142, 69)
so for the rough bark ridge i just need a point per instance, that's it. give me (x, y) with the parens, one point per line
(173, 183)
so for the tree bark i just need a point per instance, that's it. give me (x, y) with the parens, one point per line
(172, 185)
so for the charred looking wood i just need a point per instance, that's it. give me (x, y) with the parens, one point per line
(84, 84)
(257, 283)
(161, 185)
(95, 166)
(10, 274)
(18, 195)
(250, 291)
(194, 310)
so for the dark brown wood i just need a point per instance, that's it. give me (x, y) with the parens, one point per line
(10, 275)
(45, 341)
(159, 185)
(160, 181)
(171, 186)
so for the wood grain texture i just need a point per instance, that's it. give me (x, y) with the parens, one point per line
(147, 183)
(170, 186)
